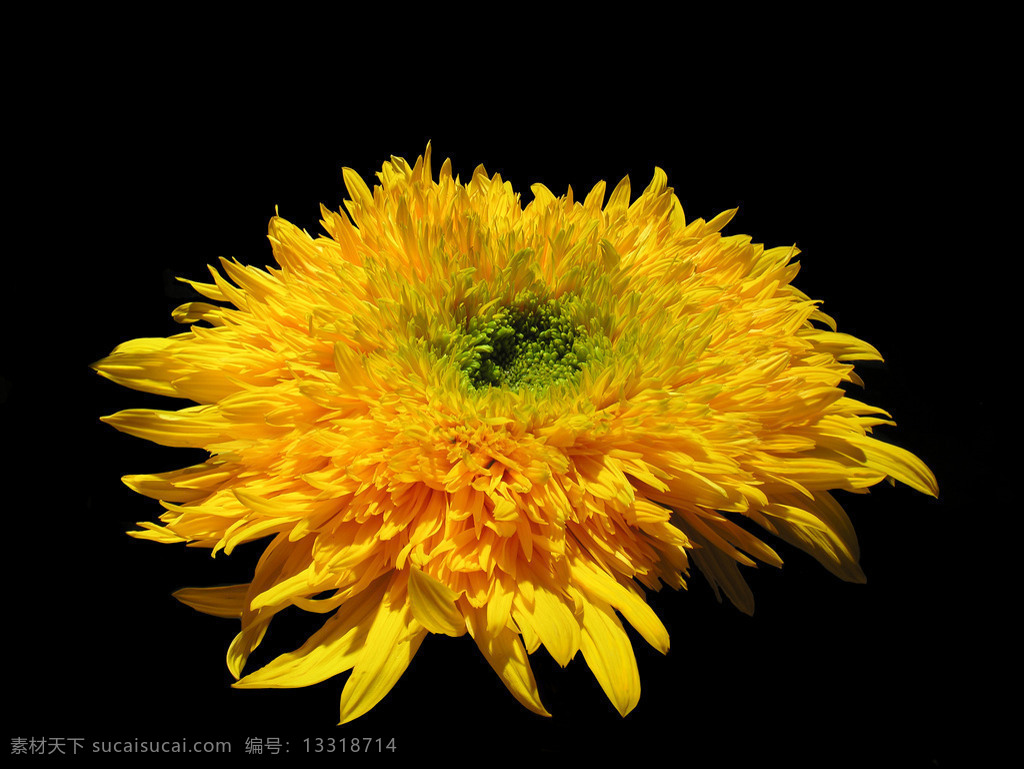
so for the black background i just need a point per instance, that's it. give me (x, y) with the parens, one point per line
(867, 176)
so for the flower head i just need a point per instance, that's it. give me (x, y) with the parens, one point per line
(455, 413)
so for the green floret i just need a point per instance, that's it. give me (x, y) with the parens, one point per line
(531, 344)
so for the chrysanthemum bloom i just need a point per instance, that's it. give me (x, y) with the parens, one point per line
(458, 414)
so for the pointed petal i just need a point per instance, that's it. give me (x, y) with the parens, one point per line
(721, 570)
(192, 427)
(553, 622)
(280, 559)
(333, 649)
(246, 642)
(897, 463)
(603, 588)
(227, 601)
(831, 540)
(390, 646)
(434, 604)
(608, 652)
(142, 364)
(505, 653)
(357, 188)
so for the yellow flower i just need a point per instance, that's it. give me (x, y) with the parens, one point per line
(458, 414)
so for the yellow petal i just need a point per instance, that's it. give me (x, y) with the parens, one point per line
(246, 642)
(897, 463)
(185, 485)
(843, 346)
(722, 571)
(609, 653)
(333, 649)
(390, 646)
(794, 515)
(227, 601)
(156, 533)
(830, 539)
(433, 604)
(602, 587)
(505, 653)
(143, 364)
(192, 427)
(553, 622)
(357, 187)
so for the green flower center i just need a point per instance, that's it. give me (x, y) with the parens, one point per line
(530, 345)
